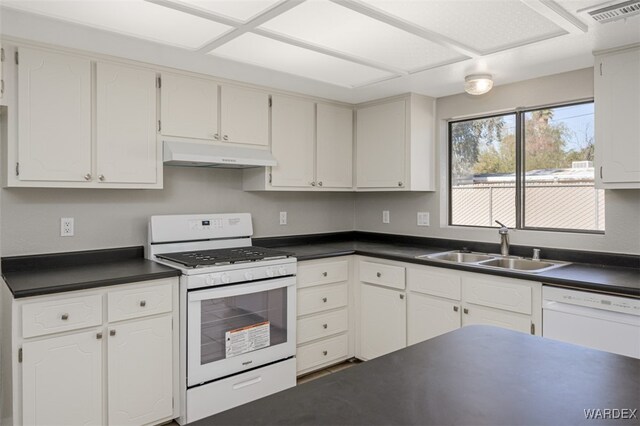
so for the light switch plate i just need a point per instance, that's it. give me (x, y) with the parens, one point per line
(385, 216)
(423, 218)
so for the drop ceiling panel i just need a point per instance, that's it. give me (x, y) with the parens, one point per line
(242, 10)
(131, 17)
(356, 34)
(486, 26)
(268, 53)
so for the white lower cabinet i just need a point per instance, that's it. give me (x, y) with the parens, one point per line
(383, 321)
(483, 315)
(429, 316)
(79, 367)
(62, 380)
(323, 326)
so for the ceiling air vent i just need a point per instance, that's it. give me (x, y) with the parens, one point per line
(616, 11)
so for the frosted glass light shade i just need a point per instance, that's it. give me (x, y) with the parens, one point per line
(478, 84)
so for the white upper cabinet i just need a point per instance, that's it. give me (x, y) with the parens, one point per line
(1, 72)
(334, 146)
(54, 117)
(617, 123)
(244, 116)
(292, 141)
(189, 107)
(395, 145)
(126, 124)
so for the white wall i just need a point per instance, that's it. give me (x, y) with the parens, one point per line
(30, 217)
(622, 206)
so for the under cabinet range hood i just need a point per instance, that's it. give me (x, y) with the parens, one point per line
(205, 155)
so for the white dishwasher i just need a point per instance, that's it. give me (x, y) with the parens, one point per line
(599, 321)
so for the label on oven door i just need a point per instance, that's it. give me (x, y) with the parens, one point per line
(247, 339)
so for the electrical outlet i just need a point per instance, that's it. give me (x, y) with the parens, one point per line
(66, 227)
(423, 218)
(385, 216)
(283, 218)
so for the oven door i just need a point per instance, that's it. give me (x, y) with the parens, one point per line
(238, 327)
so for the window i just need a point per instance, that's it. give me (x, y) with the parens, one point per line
(530, 169)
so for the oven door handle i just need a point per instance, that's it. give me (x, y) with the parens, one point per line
(240, 289)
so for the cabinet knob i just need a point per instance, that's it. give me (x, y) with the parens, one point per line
(402, 296)
(320, 183)
(456, 309)
(87, 176)
(400, 184)
(225, 137)
(143, 303)
(378, 274)
(64, 317)
(324, 274)
(312, 184)
(101, 177)
(325, 326)
(216, 136)
(324, 300)
(324, 353)
(99, 335)
(112, 332)
(465, 310)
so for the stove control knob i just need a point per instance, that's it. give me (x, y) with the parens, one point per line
(248, 276)
(225, 278)
(282, 271)
(269, 272)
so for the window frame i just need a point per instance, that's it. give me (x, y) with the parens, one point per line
(520, 183)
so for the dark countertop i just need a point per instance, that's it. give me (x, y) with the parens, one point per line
(476, 375)
(598, 277)
(46, 274)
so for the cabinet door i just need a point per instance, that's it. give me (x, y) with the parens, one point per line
(334, 146)
(429, 317)
(474, 314)
(380, 140)
(62, 380)
(383, 324)
(244, 116)
(617, 108)
(140, 371)
(292, 142)
(54, 117)
(126, 124)
(189, 107)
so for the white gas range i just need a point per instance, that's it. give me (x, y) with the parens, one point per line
(237, 310)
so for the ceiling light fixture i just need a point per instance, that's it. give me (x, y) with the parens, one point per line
(478, 84)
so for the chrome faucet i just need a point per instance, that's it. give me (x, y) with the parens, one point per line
(504, 239)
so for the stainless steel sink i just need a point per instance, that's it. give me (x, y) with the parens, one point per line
(494, 261)
(460, 257)
(524, 265)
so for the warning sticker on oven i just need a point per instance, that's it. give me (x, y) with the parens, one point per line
(247, 339)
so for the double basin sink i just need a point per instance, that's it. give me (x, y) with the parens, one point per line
(495, 261)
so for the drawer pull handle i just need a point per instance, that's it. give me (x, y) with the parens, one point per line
(324, 353)
(112, 332)
(143, 303)
(378, 274)
(324, 326)
(324, 299)
(456, 309)
(324, 274)
(64, 317)
(465, 310)
(246, 383)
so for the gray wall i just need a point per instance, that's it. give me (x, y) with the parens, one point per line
(30, 217)
(622, 206)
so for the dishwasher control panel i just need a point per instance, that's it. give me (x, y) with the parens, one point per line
(606, 302)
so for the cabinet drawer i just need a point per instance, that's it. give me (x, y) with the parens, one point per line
(322, 352)
(323, 298)
(139, 302)
(435, 283)
(322, 325)
(498, 294)
(54, 316)
(386, 275)
(322, 273)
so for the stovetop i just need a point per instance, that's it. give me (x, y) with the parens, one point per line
(228, 256)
